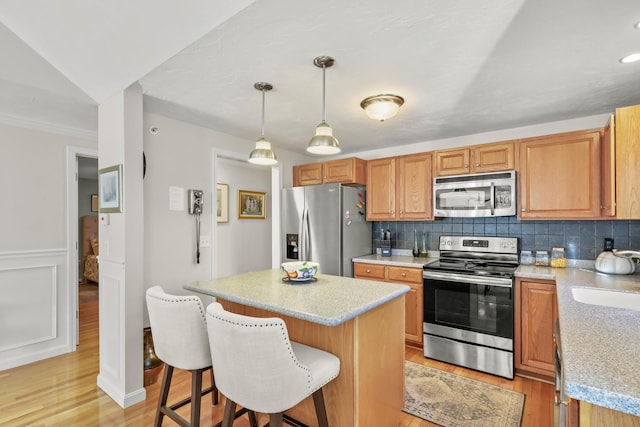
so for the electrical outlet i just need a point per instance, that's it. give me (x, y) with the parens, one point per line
(608, 244)
(205, 241)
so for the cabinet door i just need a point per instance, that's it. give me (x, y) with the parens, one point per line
(381, 189)
(493, 157)
(560, 176)
(413, 314)
(414, 187)
(627, 142)
(451, 162)
(345, 171)
(608, 188)
(307, 174)
(538, 314)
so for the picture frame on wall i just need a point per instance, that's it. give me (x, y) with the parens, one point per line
(94, 203)
(252, 205)
(110, 189)
(222, 202)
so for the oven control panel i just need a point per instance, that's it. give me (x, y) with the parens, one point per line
(479, 244)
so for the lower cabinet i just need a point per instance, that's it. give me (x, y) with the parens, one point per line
(411, 277)
(535, 316)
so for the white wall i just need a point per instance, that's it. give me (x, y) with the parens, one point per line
(181, 155)
(34, 286)
(243, 245)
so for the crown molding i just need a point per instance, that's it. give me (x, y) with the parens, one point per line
(32, 124)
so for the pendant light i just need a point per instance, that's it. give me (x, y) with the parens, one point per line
(323, 142)
(262, 154)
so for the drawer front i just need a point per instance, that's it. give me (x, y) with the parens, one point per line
(368, 271)
(405, 274)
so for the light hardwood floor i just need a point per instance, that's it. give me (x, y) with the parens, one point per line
(62, 391)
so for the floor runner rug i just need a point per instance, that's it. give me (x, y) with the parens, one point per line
(451, 400)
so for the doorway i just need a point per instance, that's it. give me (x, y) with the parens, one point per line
(82, 181)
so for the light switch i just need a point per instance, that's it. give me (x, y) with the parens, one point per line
(205, 241)
(104, 219)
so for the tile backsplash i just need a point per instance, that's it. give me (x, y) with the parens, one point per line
(581, 239)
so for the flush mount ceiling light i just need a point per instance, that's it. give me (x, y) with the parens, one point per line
(262, 154)
(382, 107)
(323, 141)
(634, 57)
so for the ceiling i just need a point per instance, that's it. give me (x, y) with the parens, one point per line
(463, 67)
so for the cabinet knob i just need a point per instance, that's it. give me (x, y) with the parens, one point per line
(466, 166)
(393, 212)
(325, 177)
(404, 274)
(368, 271)
(477, 164)
(524, 210)
(317, 177)
(400, 211)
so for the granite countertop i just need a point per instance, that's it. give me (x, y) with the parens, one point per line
(600, 344)
(397, 260)
(329, 300)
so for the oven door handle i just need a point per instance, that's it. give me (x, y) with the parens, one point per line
(474, 280)
(492, 197)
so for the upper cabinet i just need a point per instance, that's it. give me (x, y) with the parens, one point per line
(476, 159)
(627, 162)
(345, 171)
(399, 188)
(560, 176)
(608, 185)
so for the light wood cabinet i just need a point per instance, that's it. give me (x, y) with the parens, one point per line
(535, 317)
(344, 171)
(560, 176)
(399, 188)
(498, 156)
(627, 162)
(608, 187)
(411, 277)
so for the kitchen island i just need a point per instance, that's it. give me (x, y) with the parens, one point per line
(600, 342)
(360, 321)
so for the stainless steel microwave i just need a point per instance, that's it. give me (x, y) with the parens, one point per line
(475, 195)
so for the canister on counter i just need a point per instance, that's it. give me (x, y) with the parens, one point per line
(542, 258)
(526, 258)
(558, 258)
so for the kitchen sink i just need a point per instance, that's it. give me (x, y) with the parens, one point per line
(607, 297)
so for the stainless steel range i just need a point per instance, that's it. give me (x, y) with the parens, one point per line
(469, 303)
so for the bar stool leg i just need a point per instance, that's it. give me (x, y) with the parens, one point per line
(229, 413)
(164, 393)
(321, 410)
(196, 396)
(215, 394)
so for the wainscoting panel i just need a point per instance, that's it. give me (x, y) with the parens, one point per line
(35, 317)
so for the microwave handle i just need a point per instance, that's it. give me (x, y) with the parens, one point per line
(492, 201)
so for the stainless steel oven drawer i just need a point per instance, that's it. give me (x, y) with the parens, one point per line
(491, 360)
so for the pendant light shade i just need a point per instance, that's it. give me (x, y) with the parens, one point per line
(262, 154)
(323, 141)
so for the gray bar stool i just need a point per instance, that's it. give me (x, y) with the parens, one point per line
(259, 368)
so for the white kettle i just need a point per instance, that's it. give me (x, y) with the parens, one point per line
(610, 263)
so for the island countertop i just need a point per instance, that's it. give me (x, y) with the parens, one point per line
(329, 300)
(600, 344)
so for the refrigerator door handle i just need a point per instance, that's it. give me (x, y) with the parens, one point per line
(304, 235)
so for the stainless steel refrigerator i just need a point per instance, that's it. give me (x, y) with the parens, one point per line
(326, 224)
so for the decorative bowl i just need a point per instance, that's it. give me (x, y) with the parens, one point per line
(300, 271)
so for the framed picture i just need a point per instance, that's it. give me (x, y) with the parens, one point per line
(94, 203)
(252, 204)
(222, 200)
(110, 189)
